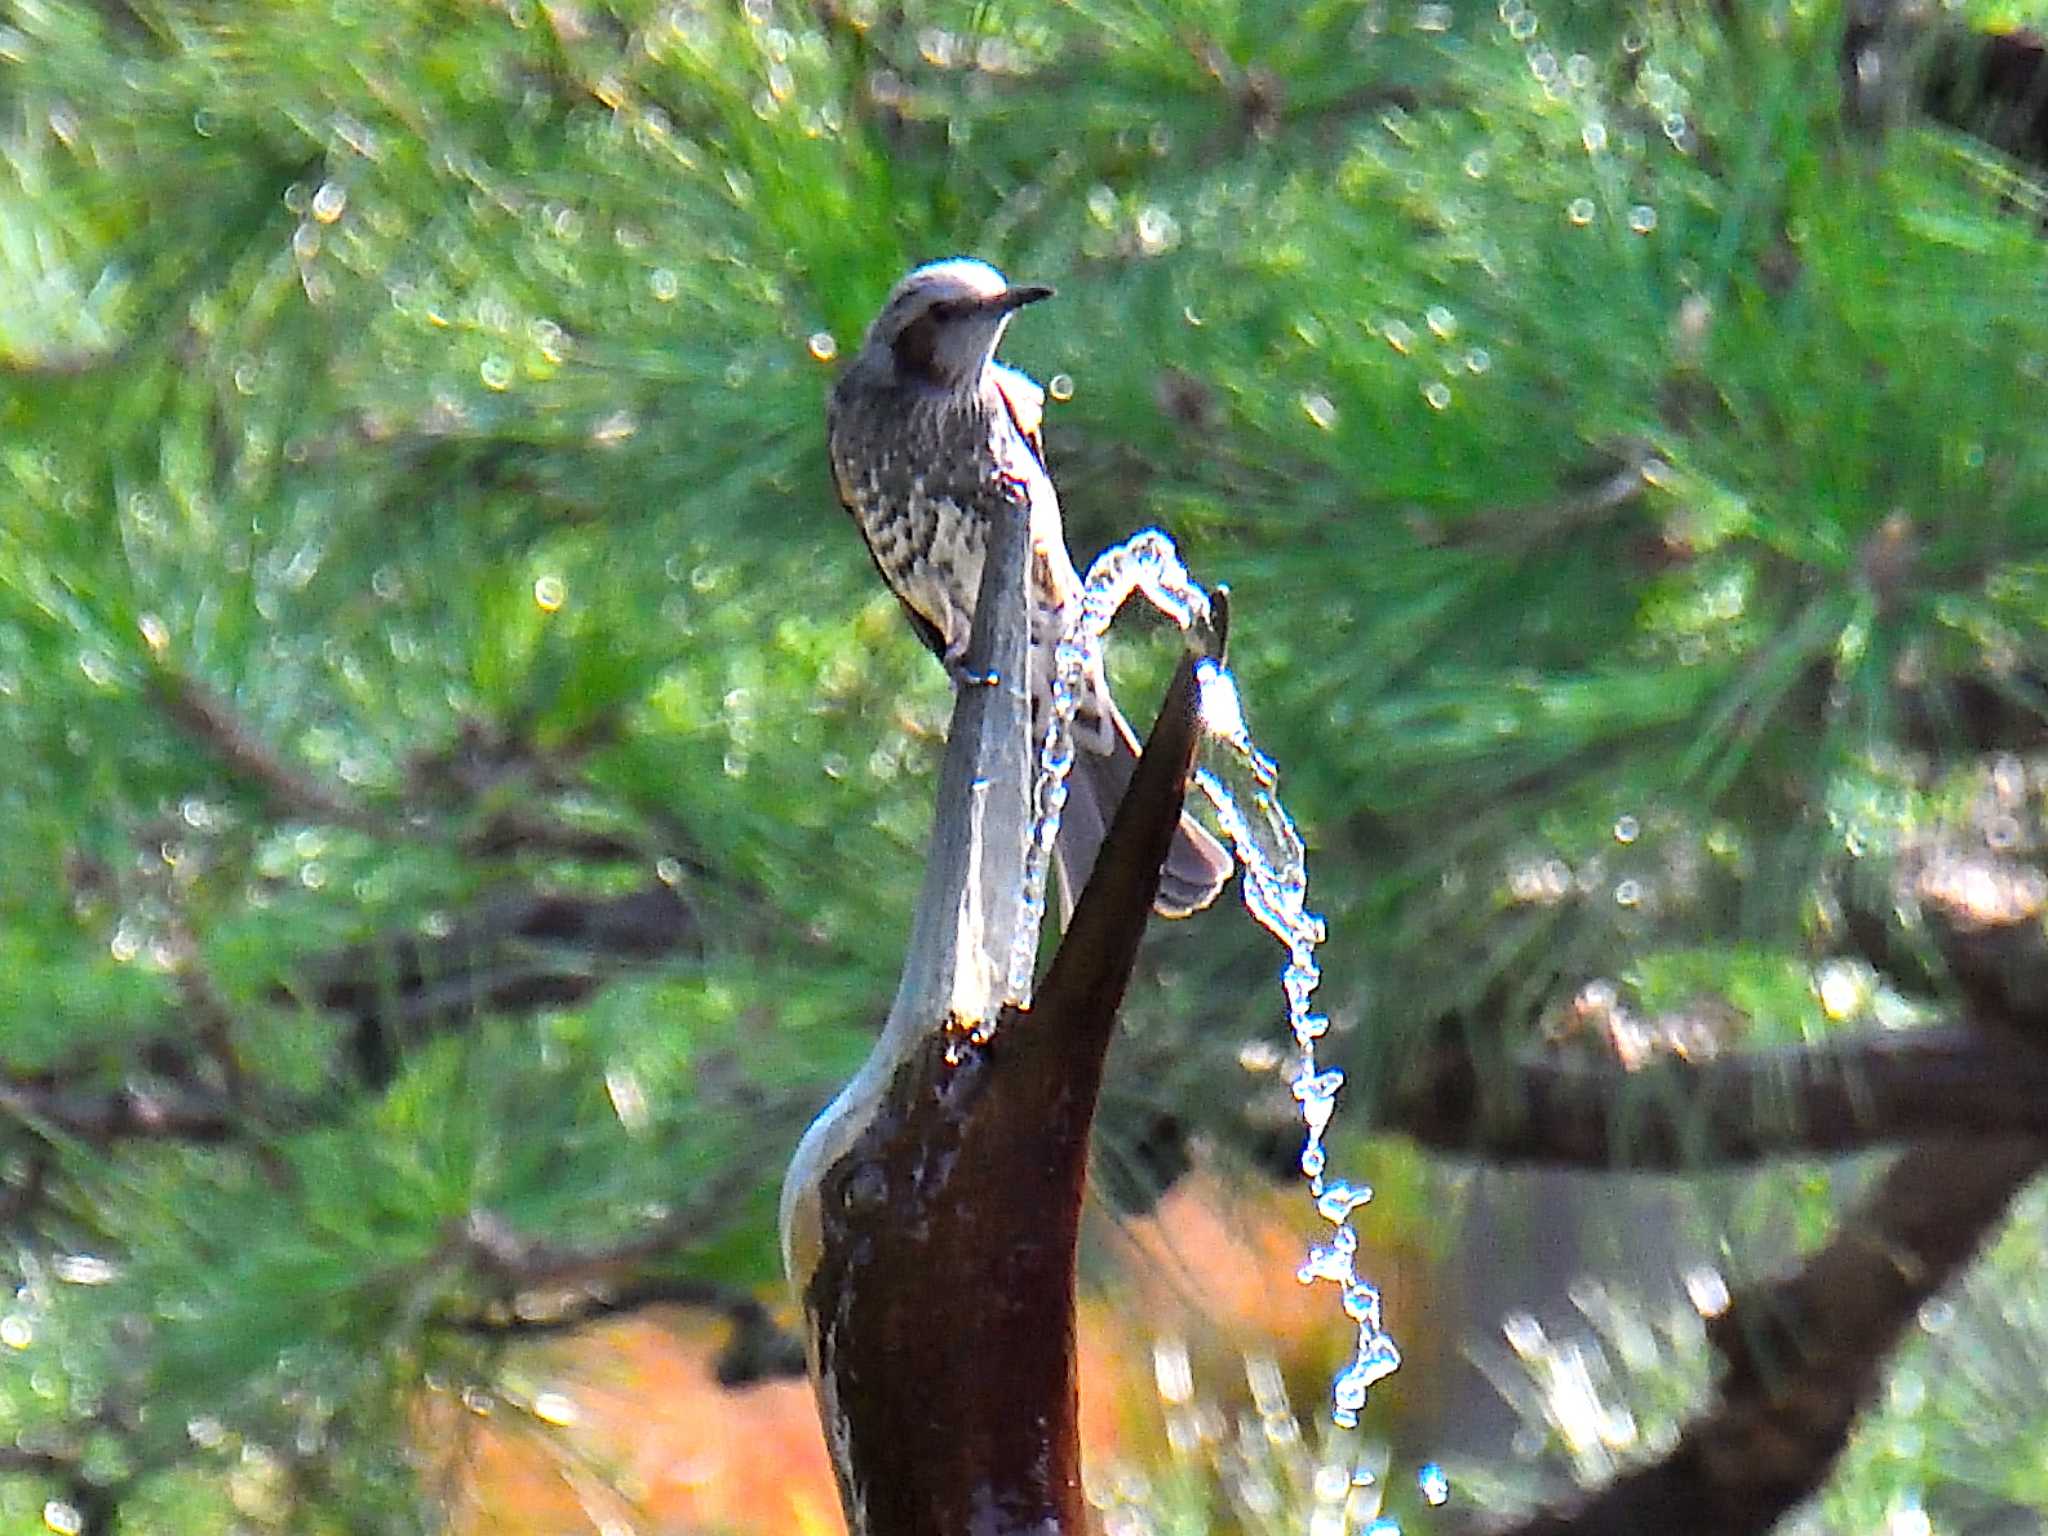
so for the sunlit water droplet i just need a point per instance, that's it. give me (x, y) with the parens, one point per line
(1339, 1200)
(1707, 1289)
(1172, 1372)
(1843, 989)
(629, 1099)
(556, 1408)
(1258, 1056)
(1157, 231)
(1523, 1333)
(1435, 1485)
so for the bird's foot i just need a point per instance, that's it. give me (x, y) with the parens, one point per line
(964, 676)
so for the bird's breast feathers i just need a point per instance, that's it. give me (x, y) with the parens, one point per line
(1024, 401)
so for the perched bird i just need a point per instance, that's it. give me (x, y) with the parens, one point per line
(931, 440)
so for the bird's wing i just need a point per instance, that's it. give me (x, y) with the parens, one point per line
(849, 495)
(934, 639)
(1025, 402)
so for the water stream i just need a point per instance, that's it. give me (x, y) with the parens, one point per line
(1240, 783)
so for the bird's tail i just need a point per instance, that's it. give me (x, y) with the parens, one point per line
(1196, 867)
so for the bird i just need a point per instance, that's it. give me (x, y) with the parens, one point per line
(930, 440)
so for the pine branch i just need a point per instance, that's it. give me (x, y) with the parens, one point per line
(212, 721)
(1751, 1107)
(541, 1287)
(478, 763)
(21, 1461)
(541, 1312)
(1869, 1091)
(1993, 85)
(513, 1261)
(160, 1111)
(758, 1349)
(513, 953)
(1617, 480)
(24, 1196)
(1806, 1354)
(95, 1499)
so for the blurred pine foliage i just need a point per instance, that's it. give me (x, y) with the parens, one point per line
(463, 785)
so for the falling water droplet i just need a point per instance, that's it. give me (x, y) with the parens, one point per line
(1435, 1485)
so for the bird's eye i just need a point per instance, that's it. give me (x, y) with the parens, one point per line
(946, 309)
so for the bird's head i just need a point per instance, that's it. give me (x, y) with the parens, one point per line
(941, 323)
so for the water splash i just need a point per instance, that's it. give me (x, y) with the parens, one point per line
(1241, 785)
(1146, 562)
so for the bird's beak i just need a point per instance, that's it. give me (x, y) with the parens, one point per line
(1019, 296)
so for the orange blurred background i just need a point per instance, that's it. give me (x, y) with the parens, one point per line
(626, 1429)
